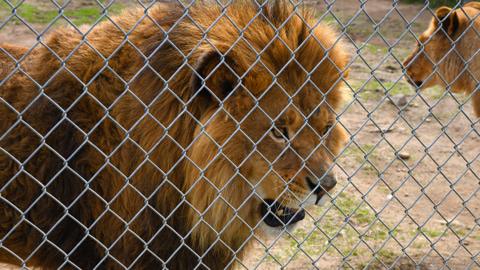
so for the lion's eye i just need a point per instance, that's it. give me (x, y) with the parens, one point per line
(279, 134)
(327, 128)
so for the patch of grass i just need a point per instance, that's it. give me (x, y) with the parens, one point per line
(419, 243)
(328, 19)
(379, 232)
(315, 242)
(29, 13)
(360, 27)
(363, 216)
(381, 187)
(386, 256)
(89, 15)
(374, 89)
(459, 230)
(281, 256)
(360, 155)
(338, 233)
(356, 212)
(399, 88)
(435, 92)
(383, 257)
(40, 15)
(374, 49)
(334, 229)
(431, 233)
(435, 3)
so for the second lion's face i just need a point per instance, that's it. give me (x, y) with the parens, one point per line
(432, 47)
(445, 51)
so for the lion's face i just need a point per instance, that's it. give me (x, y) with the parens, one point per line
(273, 140)
(433, 46)
(444, 49)
(296, 140)
(293, 164)
(419, 64)
(283, 147)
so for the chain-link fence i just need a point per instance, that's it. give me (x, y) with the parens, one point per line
(239, 134)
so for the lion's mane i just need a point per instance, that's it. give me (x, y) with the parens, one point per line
(98, 135)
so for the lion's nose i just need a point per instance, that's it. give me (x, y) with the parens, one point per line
(326, 183)
(418, 83)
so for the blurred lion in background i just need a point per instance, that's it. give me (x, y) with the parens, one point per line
(172, 147)
(448, 53)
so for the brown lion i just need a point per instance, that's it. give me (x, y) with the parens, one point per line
(173, 147)
(448, 53)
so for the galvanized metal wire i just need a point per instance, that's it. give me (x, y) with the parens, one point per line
(371, 221)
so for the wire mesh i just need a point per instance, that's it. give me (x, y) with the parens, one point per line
(239, 134)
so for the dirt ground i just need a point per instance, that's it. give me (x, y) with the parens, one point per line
(408, 194)
(417, 212)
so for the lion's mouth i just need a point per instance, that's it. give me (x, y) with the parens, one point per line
(277, 215)
(415, 83)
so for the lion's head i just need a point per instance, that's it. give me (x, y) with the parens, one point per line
(265, 146)
(447, 52)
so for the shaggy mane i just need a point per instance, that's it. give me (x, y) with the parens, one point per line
(106, 159)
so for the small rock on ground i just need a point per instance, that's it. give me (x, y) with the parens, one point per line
(404, 155)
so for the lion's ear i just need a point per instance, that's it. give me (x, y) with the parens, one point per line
(215, 74)
(448, 19)
(475, 5)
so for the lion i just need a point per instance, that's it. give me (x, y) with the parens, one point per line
(169, 137)
(448, 53)
(10, 55)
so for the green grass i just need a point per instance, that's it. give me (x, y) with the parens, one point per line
(382, 257)
(337, 226)
(374, 89)
(332, 230)
(360, 154)
(327, 18)
(459, 230)
(382, 187)
(87, 15)
(374, 49)
(420, 243)
(431, 233)
(41, 15)
(359, 214)
(477, 236)
(348, 231)
(386, 256)
(435, 3)
(30, 13)
(435, 92)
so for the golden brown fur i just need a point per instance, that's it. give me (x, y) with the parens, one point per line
(106, 165)
(10, 55)
(459, 64)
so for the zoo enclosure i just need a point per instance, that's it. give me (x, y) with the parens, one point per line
(408, 191)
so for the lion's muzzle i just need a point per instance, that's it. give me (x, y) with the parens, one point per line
(327, 183)
(277, 215)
